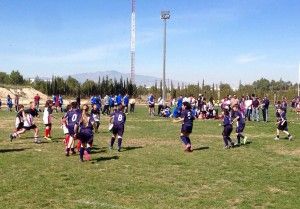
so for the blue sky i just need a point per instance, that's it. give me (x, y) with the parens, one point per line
(219, 40)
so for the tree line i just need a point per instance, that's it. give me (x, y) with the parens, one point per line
(73, 88)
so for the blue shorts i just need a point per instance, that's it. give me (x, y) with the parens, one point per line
(283, 127)
(85, 137)
(118, 130)
(227, 131)
(186, 128)
(240, 128)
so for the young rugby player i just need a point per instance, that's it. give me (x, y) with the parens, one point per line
(72, 118)
(282, 124)
(187, 119)
(47, 119)
(85, 134)
(240, 125)
(118, 119)
(227, 124)
(28, 123)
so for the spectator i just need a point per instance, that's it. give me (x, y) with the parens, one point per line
(37, 99)
(265, 108)
(255, 109)
(9, 103)
(17, 102)
(132, 105)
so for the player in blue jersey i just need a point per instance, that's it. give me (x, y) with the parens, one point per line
(126, 103)
(187, 119)
(118, 119)
(85, 134)
(119, 99)
(72, 118)
(282, 124)
(227, 124)
(240, 125)
(151, 105)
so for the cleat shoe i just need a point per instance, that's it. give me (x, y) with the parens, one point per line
(245, 140)
(290, 138)
(227, 147)
(11, 137)
(276, 138)
(87, 156)
(237, 145)
(119, 149)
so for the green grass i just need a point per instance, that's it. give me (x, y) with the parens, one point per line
(152, 171)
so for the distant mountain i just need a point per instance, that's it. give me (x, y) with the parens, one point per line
(139, 79)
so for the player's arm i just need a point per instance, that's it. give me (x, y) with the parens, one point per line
(178, 120)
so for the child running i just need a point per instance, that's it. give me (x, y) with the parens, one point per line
(187, 119)
(27, 117)
(282, 124)
(118, 119)
(227, 124)
(85, 134)
(240, 125)
(47, 119)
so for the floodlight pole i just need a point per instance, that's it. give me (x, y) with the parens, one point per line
(165, 15)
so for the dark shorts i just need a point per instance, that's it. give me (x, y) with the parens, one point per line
(71, 130)
(186, 129)
(30, 127)
(49, 124)
(283, 127)
(240, 128)
(119, 130)
(151, 105)
(227, 131)
(20, 126)
(85, 137)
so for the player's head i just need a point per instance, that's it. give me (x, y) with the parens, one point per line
(94, 106)
(21, 107)
(235, 107)
(32, 105)
(186, 105)
(120, 107)
(68, 107)
(85, 108)
(74, 105)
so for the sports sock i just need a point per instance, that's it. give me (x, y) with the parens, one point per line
(81, 152)
(183, 139)
(119, 142)
(112, 141)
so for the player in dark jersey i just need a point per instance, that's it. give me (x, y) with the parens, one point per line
(240, 125)
(187, 119)
(72, 118)
(118, 119)
(227, 124)
(282, 124)
(85, 134)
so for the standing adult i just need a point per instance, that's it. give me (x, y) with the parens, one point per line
(106, 105)
(160, 102)
(265, 108)
(61, 102)
(151, 104)
(17, 99)
(132, 104)
(37, 99)
(9, 102)
(255, 109)
(248, 106)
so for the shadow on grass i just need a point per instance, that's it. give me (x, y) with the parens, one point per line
(13, 150)
(96, 149)
(124, 149)
(105, 159)
(200, 148)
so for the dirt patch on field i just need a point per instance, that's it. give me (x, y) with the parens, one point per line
(275, 190)
(295, 152)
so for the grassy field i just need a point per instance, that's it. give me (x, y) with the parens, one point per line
(152, 171)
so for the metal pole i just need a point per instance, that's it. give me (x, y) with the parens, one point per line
(164, 61)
